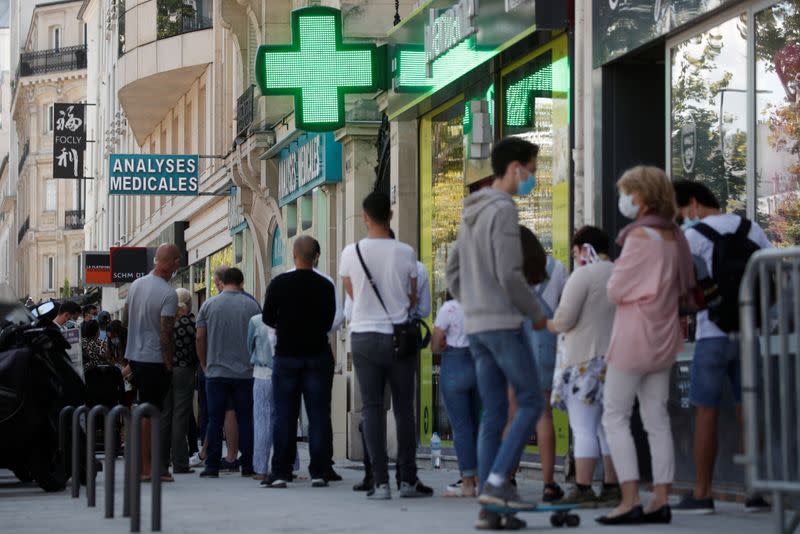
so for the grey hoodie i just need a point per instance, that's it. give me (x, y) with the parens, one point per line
(484, 271)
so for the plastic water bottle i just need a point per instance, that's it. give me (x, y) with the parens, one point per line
(436, 451)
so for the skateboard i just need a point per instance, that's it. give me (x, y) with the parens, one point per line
(560, 514)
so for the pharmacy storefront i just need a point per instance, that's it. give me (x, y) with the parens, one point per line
(469, 72)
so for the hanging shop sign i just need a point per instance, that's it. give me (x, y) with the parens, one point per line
(69, 140)
(153, 174)
(318, 69)
(97, 268)
(312, 160)
(630, 24)
(435, 46)
(128, 264)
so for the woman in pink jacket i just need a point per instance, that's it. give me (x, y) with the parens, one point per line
(648, 280)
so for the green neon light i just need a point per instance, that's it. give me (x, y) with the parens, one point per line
(318, 69)
(467, 122)
(410, 73)
(518, 96)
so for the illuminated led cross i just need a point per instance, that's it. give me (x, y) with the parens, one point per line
(317, 68)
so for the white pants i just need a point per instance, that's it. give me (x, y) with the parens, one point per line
(652, 390)
(584, 421)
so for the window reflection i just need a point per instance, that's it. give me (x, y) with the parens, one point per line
(777, 166)
(709, 109)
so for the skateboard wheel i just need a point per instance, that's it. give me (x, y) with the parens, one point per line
(557, 520)
(573, 520)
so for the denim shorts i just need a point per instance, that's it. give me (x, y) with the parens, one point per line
(715, 359)
(544, 351)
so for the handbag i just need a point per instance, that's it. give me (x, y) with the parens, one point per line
(405, 336)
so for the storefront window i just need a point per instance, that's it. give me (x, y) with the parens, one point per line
(709, 112)
(777, 167)
(221, 257)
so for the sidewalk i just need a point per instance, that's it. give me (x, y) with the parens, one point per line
(235, 504)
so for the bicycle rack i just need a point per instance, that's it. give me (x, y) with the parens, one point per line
(111, 452)
(63, 417)
(76, 457)
(91, 432)
(142, 411)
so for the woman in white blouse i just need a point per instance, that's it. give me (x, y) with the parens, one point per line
(459, 390)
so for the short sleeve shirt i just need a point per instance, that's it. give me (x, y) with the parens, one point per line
(450, 319)
(149, 299)
(226, 318)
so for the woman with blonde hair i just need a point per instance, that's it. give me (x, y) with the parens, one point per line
(648, 280)
(179, 400)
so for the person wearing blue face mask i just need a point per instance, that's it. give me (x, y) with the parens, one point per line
(485, 274)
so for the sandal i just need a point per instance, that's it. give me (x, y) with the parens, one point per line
(552, 492)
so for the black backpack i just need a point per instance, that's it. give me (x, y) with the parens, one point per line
(729, 261)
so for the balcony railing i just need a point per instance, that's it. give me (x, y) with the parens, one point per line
(184, 18)
(23, 156)
(244, 111)
(74, 219)
(54, 60)
(23, 230)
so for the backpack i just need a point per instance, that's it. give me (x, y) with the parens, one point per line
(729, 261)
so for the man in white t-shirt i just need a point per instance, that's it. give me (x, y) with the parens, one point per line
(393, 267)
(716, 356)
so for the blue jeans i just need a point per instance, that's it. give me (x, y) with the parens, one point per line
(263, 415)
(463, 404)
(715, 359)
(503, 358)
(310, 378)
(219, 392)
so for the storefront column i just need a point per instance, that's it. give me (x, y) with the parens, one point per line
(405, 181)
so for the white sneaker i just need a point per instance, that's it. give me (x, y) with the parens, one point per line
(196, 461)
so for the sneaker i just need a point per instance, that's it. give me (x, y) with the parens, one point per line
(581, 497)
(196, 461)
(381, 492)
(208, 473)
(756, 503)
(364, 485)
(332, 476)
(319, 483)
(274, 483)
(505, 496)
(690, 505)
(493, 521)
(225, 465)
(417, 489)
(455, 488)
(552, 493)
(610, 496)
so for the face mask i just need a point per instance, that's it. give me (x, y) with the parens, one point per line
(627, 207)
(588, 255)
(688, 223)
(526, 186)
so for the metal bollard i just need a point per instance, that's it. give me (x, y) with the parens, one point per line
(76, 448)
(91, 431)
(142, 411)
(63, 417)
(111, 453)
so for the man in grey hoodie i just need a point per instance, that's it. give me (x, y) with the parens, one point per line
(484, 273)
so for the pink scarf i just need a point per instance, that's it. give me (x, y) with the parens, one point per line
(685, 263)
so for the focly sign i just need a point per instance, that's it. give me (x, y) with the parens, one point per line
(69, 140)
(153, 174)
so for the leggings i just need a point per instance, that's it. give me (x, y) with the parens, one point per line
(584, 421)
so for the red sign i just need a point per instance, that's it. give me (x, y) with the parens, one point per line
(97, 268)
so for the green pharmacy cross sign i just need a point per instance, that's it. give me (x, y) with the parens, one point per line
(318, 69)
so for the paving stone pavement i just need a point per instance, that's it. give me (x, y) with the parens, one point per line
(235, 504)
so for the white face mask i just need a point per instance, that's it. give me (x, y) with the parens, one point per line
(627, 207)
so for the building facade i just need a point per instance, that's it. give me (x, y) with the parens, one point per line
(8, 243)
(49, 213)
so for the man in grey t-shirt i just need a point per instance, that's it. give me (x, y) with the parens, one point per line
(150, 308)
(222, 348)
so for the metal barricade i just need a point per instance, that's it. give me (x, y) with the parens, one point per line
(142, 411)
(770, 341)
(111, 454)
(91, 472)
(75, 468)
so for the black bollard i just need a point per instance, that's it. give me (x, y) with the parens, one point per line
(111, 453)
(91, 430)
(142, 411)
(75, 468)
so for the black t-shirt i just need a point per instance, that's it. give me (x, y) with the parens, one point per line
(300, 305)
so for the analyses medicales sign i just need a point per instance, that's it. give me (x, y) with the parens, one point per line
(153, 174)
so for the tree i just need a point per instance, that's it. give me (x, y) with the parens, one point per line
(66, 290)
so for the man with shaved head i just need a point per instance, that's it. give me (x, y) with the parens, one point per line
(150, 308)
(301, 305)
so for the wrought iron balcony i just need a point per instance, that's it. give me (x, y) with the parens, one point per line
(54, 60)
(74, 219)
(244, 111)
(23, 156)
(184, 18)
(23, 230)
